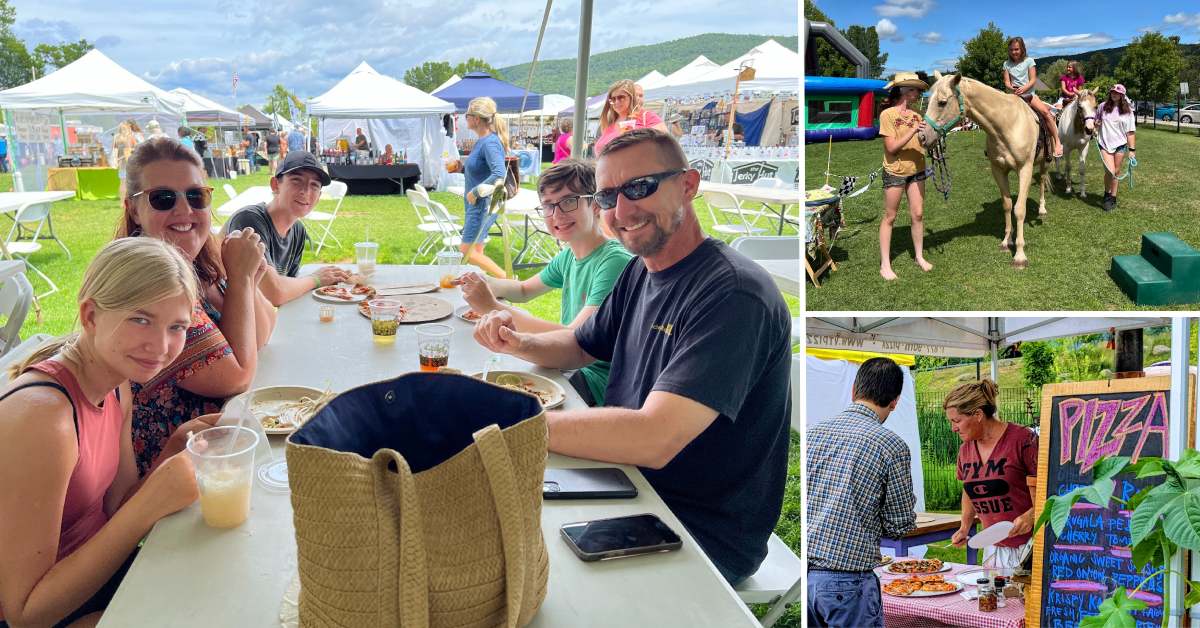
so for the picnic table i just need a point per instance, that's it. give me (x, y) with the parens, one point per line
(952, 609)
(12, 201)
(777, 200)
(188, 574)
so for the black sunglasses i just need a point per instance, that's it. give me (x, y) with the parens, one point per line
(164, 199)
(634, 189)
(564, 206)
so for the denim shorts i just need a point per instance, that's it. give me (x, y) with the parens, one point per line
(844, 599)
(892, 181)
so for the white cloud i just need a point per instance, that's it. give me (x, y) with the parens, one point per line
(1069, 41)
(944, 64)
(930, 37)
(1183, 19)
(904, 8)
(888, 30)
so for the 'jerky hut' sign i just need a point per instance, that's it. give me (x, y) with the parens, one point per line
(1081, 423)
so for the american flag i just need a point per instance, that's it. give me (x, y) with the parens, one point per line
(235, 79)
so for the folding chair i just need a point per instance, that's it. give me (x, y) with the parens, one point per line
(30, 220)
(768, 247)
(335, 191)
(715, 200)
(16, 296)
(729, 204)
(777, 581)
(427, 223)
(451, 232)
(30, 213)
(20, 352)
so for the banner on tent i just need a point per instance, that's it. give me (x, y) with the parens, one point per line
(878, 344)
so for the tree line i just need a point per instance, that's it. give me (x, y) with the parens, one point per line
(20, 64)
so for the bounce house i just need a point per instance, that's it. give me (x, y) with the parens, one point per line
(834, 107)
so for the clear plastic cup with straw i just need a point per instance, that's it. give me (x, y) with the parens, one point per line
(365, 254)
(224, 461)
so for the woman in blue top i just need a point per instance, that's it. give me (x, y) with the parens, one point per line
(484, 171)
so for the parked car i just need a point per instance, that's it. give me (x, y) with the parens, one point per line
(1189, 114)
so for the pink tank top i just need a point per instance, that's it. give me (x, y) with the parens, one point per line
(99, 437)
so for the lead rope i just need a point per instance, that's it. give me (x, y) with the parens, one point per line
(1130, 163)
(941, 169)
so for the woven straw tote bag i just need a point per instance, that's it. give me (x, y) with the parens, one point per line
(418, 502)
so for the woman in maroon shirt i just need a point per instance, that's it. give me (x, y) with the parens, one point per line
(994, 462)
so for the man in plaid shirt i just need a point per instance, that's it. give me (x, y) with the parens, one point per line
(859, 490)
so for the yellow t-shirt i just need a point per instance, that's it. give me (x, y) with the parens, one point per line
(910, 159)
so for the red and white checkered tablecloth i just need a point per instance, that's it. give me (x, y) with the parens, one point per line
(947, 610)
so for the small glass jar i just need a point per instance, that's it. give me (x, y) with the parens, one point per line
(326, 313)
(987, 595)
(1000, 597)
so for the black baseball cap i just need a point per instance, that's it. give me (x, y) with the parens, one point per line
(302, 160)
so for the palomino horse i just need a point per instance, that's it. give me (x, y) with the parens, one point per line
(1012, 143)
(1076, 127)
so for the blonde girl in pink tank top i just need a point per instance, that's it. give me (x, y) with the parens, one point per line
(72, 510)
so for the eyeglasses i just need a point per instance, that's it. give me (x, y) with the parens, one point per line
(633, 189)
(164, 199)
(619, 97)
(564, 206)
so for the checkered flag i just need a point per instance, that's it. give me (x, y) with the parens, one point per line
(847, 185)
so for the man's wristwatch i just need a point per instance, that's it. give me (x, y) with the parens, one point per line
(1133, 150)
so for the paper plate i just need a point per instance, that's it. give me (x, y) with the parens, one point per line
(462, 314)
(551, 394)
(354, 298)
(992, 535)
(267, 400)
(402, 289)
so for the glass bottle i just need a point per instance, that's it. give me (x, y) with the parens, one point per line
(987, 595)
(1000, 597)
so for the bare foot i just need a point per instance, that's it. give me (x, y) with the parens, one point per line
(925, 266)
(887, 274)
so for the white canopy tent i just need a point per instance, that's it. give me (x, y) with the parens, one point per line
(390, 112)
(776, 71)
(201, 111)
(450, 81)
(94, 90)
(653, 78)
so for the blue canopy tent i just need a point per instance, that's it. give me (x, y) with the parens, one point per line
(475, 84)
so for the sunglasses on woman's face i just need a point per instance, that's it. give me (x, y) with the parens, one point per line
(164, 199)
(633, 189)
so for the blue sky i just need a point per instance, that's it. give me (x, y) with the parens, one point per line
(309, 45)
(929, 34)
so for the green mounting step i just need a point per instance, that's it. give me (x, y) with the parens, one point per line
(1171, 256)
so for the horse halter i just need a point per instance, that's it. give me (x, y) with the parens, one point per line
(943, 129)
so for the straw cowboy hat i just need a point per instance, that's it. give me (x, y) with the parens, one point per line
(907, 79)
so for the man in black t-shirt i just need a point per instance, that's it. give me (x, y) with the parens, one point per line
(698, 337)
(273, 148)
(297, 187)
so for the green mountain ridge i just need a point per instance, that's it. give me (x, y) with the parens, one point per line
(557, 76)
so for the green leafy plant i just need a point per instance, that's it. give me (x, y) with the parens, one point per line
(1165, 518)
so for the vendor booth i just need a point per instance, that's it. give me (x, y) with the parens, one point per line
(201, 113)
(1149, 413)
(72, 117)
(390, 113)
(509, 98)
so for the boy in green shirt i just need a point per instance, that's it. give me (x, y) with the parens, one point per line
(585, 271)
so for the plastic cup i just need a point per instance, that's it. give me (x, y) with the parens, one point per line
(224, 461)
(385, 319)
(449, 265)
(365, 254)
(433, 346)
(326, 313)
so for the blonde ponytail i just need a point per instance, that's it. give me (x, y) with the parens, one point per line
(968, 398)
(500, 126)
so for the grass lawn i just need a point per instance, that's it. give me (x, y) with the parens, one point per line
(1070, 250)
(85, 226)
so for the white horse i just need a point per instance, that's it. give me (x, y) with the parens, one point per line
(1076, 127)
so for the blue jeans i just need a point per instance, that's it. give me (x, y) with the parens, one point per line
(844, 599)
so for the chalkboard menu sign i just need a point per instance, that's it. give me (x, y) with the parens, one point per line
(1081, 423)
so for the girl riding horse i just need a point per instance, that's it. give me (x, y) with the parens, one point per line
(1020, 76)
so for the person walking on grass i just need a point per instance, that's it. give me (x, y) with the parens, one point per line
(1116, 137)
(904, 169)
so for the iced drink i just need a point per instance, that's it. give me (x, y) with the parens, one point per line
(365, 254)
(433, 346)
(449, 264)
(224, 461)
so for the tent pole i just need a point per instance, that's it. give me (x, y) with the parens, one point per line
(1177, 442)
(62, 125)
(581, 77)
(993, 342)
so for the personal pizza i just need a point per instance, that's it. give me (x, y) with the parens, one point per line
(924, 565)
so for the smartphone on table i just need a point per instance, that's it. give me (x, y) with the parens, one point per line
(617, 537)
(588, 483)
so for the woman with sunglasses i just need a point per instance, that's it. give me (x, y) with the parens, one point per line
(623, 112)
(168, 199)
(585, 271)
(72, 510)
(483, 170)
